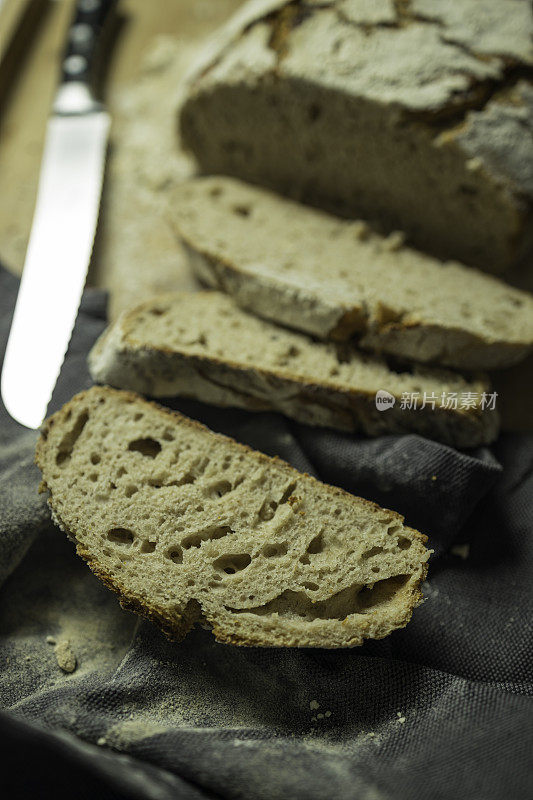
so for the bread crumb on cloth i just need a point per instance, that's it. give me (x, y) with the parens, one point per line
(66, 660)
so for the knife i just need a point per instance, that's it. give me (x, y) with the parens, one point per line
(64, 225)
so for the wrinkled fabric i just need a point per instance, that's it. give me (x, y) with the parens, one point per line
(441, 709)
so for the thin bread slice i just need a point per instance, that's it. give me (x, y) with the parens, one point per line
(202, 345)
(187, 525)
(335, 279)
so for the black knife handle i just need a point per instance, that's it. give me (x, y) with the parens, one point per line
(81, 53)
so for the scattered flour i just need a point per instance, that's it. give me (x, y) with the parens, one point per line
(122, 734)
(140, 178)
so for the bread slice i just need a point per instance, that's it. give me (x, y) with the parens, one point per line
(202, 345)
(334, 279)
(417, 114)
(187, 525)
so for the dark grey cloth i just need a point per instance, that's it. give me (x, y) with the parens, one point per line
(441, 709)
(22, 511)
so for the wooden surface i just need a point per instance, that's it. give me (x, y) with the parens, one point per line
(26, 108)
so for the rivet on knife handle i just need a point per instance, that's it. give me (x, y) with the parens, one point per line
(83, 40)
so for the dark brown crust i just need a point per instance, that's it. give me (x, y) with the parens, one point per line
(174, 627)
(353, 321)
(177, 625)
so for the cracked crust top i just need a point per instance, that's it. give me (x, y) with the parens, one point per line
(433, 55)
(401, 112)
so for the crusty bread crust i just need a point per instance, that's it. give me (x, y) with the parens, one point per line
(296, 300)
(427, 343)
(241, 627)
(387, 116)
(122, 360)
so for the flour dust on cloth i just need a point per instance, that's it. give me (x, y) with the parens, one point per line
(94, 697)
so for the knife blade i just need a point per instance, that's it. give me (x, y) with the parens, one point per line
(63, 228)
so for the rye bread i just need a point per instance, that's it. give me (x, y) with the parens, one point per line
(203, 345)
(416, 115)
(188, 526)
(335, 279)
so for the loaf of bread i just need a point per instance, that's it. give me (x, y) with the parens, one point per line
(202, 345)
(187, 526)
(415, 113)
(334, 279)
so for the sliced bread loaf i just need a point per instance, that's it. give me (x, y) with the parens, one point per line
(414, 113)
(187, 525)
(334, 279)
(203, 345)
